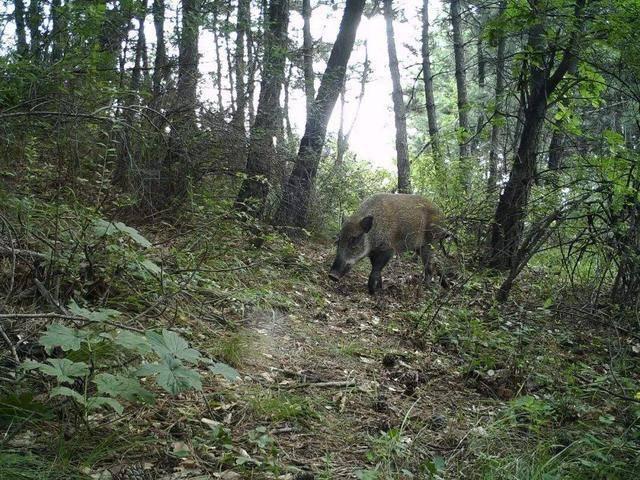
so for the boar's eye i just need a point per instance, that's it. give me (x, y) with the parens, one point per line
(353, 241)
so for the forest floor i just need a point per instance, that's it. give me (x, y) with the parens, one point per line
(412, 383)
(334, 383)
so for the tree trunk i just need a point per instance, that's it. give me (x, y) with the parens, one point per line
(307, 52)
(399, 109)
(341, 145)
(227, 41)
(188, 64)
(481, 81)
(254, 189)
(126, 150)
(343, 138)
(499, 107)
(58, 28)
(34, 20)
(238, 120)
(508, 224)
(286, 118)
(178, 167)
(218, 57)
(251, 70)
(21, 32)
(113, 32)
(461, 87)
(432, 118)
(297, 191)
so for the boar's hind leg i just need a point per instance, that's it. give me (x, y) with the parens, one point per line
(378, 261)
(426, 254)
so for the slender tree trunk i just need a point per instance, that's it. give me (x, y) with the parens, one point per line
(238, 120)
(399, 109)
(254, 189)
(251, 70)
(21, 32)
(343, 139)
(178, 167)
(227, 42)
(558, 137)
(482, 62)
(297, 191)
(307, 52)
(499, 108)
(432, 118)
(461, 87)
(341, 146)
(161, 72)
(126, 150)
(286, 118)
(218, 57)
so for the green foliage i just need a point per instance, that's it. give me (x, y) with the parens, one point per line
(174, 370)
(341, 189)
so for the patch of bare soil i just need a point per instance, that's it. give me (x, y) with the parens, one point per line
(329, 384)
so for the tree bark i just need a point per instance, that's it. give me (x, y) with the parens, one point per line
(307, 55)
(21, 32)
(461, 87)
(239, 118)
(294, 207)
(178, 167)
(499, 107)
(254, 189)
(427, 76)
(34, 20)
(399, 109)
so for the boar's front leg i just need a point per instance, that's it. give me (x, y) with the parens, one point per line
(378, 261)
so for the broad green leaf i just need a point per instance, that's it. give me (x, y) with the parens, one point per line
(122, 386)
(67, 392)
(28, 365)
(102, 228)
(98, 315)
(151, 267)
(64, 369)
(172, 375)
(225, 370)
(93, 403)
(133, 341)
(173, 345)
(134, 234)
(64, 337)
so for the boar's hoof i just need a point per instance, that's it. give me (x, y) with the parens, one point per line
(334, 276)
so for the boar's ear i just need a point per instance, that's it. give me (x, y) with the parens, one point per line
(366, 223)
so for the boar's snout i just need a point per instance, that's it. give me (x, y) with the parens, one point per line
(338, 269)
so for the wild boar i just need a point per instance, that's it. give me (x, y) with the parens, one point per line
(387, 224)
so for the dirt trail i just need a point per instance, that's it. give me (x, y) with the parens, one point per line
(331, 383)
